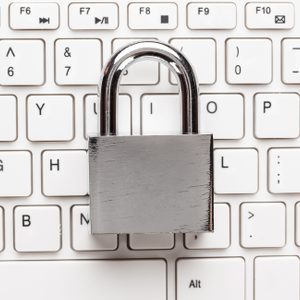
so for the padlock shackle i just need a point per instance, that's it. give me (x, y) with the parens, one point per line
(108, 88)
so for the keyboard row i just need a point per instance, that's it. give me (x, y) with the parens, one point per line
(53, 117)
(155, 16)
(248, 61)
(196, 278)
(39, 229)
(65, 172)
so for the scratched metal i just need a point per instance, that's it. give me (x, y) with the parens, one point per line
(151, 184)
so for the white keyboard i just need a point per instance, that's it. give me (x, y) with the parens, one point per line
(247, 59)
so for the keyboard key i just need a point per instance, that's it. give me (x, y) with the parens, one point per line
(50, 117)
(211, 278)
(65, 173)
(297, 217)
(82, 239)
(151, 241)
(220, 238)
(141, 73)
(78, 61)
(93, 16)
(83, 279)
(161, 114)
(236, 171)
(284, 170)
(147, 15)
(277, 115)
(268, 15)
(249, 61)
(205, 15)
(276, 278)
(27, 15)
(202, 55)
(222, 115)
(92, 116)
(291, 61)
(37, 228)
(256, 232)
(1, 229)
(8, 118)
(15, 174)
(22, 62)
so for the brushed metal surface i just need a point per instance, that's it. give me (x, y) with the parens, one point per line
(151, 184)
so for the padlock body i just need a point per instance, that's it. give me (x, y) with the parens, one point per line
(151, 184)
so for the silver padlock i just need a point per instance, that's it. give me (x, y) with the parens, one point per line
(150, 184)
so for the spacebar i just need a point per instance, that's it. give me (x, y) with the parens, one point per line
(77, 280)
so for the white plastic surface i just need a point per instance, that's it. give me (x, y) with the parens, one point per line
(88, 280)
(8, 118)
(277, 278)
(50, 118)
(263, 225)
(198, 278)
(285, 60)
(37, 228)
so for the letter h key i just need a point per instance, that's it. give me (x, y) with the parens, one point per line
(150, 184)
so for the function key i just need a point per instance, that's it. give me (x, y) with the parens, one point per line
(97, 16)
(266, 15)
(34, 15)
(203, 15)
(152, 15)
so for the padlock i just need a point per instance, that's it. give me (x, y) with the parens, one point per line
(150, 184)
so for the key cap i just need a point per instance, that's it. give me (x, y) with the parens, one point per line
(50, 117)
(77, 280)
(1, 229)
(22, 62)
(141, 73)
(284, 170)
(151, 241)
(123, 115)
(211, 278)
(236, 171)
(277, 278)
(65, 173)
(147, 15)
(220, 238)
(204, 15)
(82, 239)
(37, 228)
(202, 55)
(8, 118)
(78, 61)
(268, 15)
(291, 61)
(277, 115)
(297, 216)
(93, 16)
(161, 114)
(249, 61)
(256, 231)
(15, 174)
(222, 115)
(26, 15)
